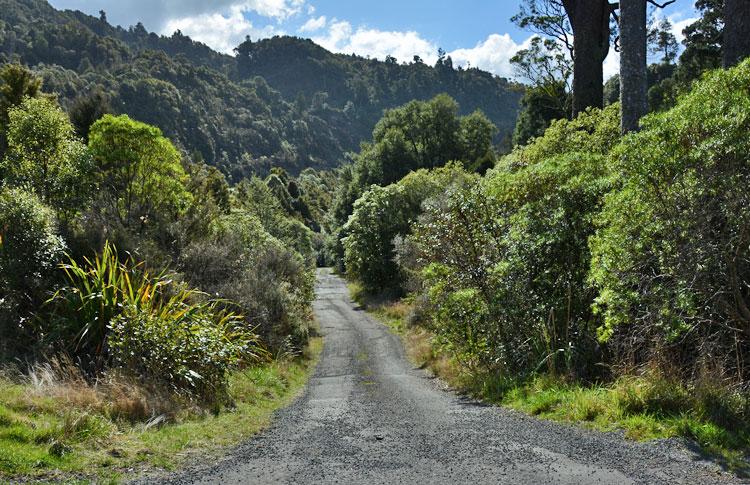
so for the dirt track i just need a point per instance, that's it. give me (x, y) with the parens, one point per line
(368, 416)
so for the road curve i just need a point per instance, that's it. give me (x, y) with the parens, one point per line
(368, 416)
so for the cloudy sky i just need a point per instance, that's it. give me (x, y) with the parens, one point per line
(474, 32)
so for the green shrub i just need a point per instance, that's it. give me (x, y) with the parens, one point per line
(672, 258)
(96, 293)
(189, 347)
(120, 316)
(45, 157)
(517, 243)
(382, 214)
(140, 172)
(29, 250)
(266, 281)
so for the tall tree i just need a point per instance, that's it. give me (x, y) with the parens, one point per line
(633, 81)
(703, 41)
(736, 31)
(16, 83)
(661, 41)
(589, 20)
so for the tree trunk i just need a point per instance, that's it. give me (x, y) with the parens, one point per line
(633, 83)
(590, 22)
(736, 31)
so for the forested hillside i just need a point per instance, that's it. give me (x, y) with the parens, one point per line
(279, 102)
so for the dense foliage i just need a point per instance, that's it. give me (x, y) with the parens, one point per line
(672, 257)
(504, 261)
(417, 136)
(238, 112)
(30, 247)
(207, 277)
(383, 214)
(582, 253)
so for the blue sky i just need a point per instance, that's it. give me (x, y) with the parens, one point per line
(474, 32)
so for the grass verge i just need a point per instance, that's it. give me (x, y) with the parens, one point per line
(63, 432)
(644, 407)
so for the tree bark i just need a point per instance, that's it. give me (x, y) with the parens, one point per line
(633, 82)
(736, 31)
(590, 22)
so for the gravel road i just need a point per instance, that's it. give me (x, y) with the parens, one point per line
(368, 416)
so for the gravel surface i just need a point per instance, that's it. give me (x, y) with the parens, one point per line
(368, 416)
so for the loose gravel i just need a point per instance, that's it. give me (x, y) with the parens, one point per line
(369, 417)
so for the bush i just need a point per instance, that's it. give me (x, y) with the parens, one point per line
(266, 281)
(97, 292)
(45, 157)
(29, 250)
(140, 171)
(672, 257)
(188, 347)
(381, 215)
(506, 260)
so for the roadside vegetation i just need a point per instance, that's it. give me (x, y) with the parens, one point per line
(643, 405)
(589, 276)
(147, 307)
(55, 425)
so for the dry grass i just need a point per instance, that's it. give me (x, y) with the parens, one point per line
(54, 424)
(116, 396)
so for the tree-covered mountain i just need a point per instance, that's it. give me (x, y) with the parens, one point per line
(279, 102)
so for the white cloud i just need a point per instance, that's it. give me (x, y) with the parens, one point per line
(224, 28)
(493, 54)
(342, 37)
(314, 24)
(679, 26)
(158, 14)
(221, 32)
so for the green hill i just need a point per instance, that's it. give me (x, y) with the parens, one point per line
(283, 101)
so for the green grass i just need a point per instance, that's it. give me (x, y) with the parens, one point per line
(644, 407)
(67, 436)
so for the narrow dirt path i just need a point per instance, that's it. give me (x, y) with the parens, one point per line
(368, 416)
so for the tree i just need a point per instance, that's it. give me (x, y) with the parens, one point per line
(477, 132)
(633, 82)
(382, 214)
(582, 26)
(87, 109)
(590, 24)
(421, 134)
(543, 62)
(548, 18)
(141, 175)
(16, 83)
(45, 157)
(703, 41)
(548, 68)
(661, 41)
(736, 31)
(587, 22)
